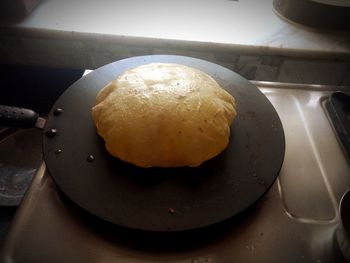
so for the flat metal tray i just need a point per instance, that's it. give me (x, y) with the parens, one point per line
(202, 196)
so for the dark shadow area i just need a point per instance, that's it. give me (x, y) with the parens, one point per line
(6, 216)
(338, 109)
(163, 242)
(189, 176)
(31, 87)
(34, 87)
(12, 11)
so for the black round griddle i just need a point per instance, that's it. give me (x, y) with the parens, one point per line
(163, 199)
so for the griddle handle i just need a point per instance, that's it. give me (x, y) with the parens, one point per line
(17, 117)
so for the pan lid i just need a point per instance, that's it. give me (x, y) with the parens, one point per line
(320, 14)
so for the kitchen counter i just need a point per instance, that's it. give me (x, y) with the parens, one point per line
(240, 35)
(88, 34)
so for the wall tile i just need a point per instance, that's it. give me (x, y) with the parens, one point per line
(312, 71)
(274, 61)
(226, 57)
(266, 73)
(245, 70)
(346, 78)
(251, 60)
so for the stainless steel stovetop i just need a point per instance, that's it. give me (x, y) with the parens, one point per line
(295, 222)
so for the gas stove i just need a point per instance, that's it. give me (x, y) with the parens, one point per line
(296, 221)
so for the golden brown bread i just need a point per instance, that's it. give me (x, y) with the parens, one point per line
(164, 115)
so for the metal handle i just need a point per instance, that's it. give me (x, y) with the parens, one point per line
(18, 117)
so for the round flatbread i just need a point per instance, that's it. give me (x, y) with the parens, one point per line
(164, 115)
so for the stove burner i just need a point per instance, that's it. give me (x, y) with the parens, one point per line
(20, 156)
(338, 108)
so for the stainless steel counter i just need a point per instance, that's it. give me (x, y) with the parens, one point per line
(295, 222)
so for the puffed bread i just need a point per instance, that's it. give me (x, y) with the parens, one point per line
(164, 115)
